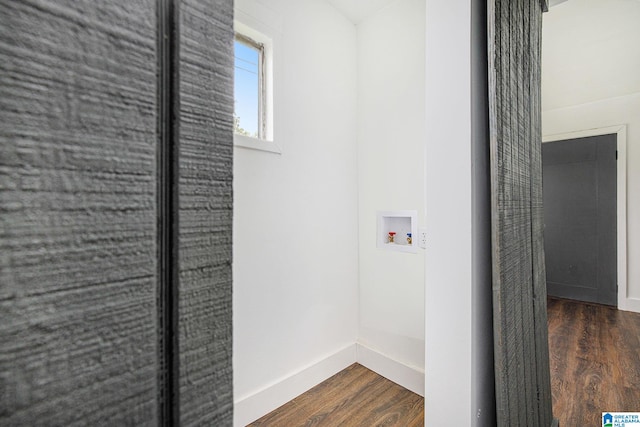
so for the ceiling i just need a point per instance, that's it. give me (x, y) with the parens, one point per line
(359, 10)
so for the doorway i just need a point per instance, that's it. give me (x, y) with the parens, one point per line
(579, 177)
(590, 266)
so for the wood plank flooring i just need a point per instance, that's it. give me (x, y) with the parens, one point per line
(353, 397)
(595, 367)
(595, 361)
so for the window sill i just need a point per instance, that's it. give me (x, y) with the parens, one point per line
(256, 144)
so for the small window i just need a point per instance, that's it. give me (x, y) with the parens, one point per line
(258, 80)
(249, 87)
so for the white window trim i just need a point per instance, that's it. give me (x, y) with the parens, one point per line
(265, 31)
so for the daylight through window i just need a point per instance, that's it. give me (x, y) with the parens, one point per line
(249, 87)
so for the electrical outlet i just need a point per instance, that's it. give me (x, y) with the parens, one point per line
(422, 237)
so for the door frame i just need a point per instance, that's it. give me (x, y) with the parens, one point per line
(624, 302)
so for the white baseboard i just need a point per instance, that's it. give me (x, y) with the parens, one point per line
(629, 304)
(408, 377)
(250, 408)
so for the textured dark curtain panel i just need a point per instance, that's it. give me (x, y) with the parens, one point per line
(521, 352)
(115, 212)
(206, 203)
(78, 270)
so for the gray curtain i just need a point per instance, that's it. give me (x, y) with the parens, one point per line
(115, 212)
(521, 354)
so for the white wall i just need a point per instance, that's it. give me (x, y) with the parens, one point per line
(591, 59)
(590, 52)
(295, 260)
(423, 144)
(299, 217)
(391, 138)
(448, 213)
(483, 398)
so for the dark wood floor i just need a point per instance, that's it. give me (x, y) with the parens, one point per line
(353, 397)
(595, 361)
(595, 367)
